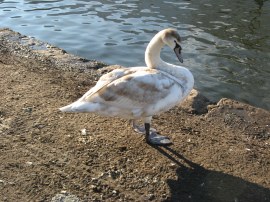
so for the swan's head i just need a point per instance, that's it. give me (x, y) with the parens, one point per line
(171, 38)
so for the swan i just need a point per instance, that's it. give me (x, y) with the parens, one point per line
(138, 93)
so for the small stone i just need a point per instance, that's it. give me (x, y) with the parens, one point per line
(38, 125)
(96, 189)
(115, 192)
(172, 165)
(83, 131)
(29, 163)
(65, 197)
(122, 148)
(94, 180)
(151, 197)
(114, 174)
(28, 109)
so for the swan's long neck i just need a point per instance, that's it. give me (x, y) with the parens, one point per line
(152, 59)
(152, 53)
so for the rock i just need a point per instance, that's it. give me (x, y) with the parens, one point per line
(29, 163)
(253, 121)
(84, 132)
(172, 165)
(150, 197)
(122, 148)
(65, 197)
(114, 192)
(195, 103)
(31, 50)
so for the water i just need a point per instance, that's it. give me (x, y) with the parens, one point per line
(226, 44)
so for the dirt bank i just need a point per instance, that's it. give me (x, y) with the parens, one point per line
(221, 152)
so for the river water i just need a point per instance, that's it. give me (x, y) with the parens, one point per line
(226, 44)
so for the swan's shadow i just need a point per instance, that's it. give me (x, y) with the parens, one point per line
(195, 183)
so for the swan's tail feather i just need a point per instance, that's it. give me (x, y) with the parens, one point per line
(79, 106)
(68, 108)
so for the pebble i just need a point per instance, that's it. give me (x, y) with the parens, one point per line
(122, 148)
(65, 197)
(83, 131)
(28, 109)
(151, 197)
(172, 165)
(115, 192)
(29, 163)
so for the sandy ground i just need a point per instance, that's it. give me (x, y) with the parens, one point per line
(220, 155)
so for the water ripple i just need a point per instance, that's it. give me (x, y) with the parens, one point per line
(226, 45)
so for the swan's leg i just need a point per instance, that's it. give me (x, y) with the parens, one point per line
(140, 129)
(137, 128)
(147, 133)
(154, 138)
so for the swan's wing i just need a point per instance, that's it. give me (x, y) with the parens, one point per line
(135, 90)
(108, 78)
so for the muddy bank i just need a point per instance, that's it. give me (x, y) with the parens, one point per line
(220, 151)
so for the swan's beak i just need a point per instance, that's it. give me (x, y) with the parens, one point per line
(177, 51)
